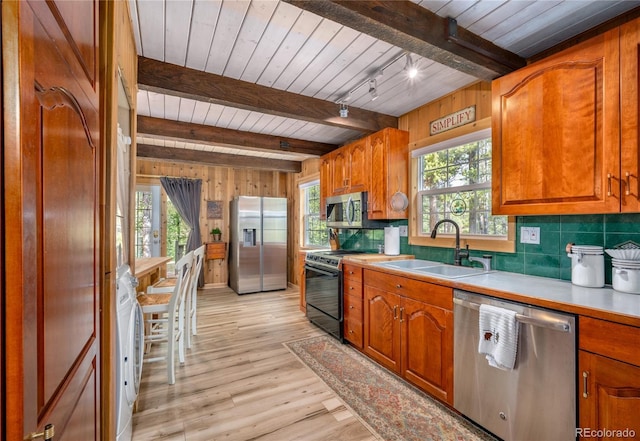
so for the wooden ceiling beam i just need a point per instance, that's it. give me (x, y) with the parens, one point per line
(170, 154)
(420, 31)
(174, 80)
(210, 135)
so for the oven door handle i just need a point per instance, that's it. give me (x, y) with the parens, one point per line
(320, 270)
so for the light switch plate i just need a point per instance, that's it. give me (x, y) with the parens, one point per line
(530, 235)
(403, 230)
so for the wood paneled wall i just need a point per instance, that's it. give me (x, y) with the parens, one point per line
(119, 61)
(417, 121)
(223, 184)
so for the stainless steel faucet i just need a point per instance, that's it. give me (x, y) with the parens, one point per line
(485, 260)
(458, 254)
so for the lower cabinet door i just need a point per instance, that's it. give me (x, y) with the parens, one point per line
(427, 348)
(382, 327)
(609, 398)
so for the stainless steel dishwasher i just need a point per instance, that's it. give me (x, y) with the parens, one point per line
(534, 401)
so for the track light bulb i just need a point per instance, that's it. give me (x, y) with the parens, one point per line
(344, 111)
(410, 68)
(373, 89)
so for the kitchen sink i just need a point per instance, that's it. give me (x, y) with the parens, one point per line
(450, 271)
(409, 264)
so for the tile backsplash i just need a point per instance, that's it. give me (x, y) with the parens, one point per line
(547, 259)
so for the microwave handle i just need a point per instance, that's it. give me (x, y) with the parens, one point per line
(351, 211)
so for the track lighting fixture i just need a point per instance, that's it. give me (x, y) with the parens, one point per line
(373, 89)
(410, 68)
(344, 110)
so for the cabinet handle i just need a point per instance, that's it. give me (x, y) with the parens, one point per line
(350, 306)
(401, 315)
(350, 288)
(395, 312)
(398, 286)
(585, 376)
(628, 190)
(350, 331)
(609, 184)
(47, 434)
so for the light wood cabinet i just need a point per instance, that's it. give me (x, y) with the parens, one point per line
(216, 250)
(389, 172)
(352, 289)
(408, 328)
(630, 105)
(608, 377)
(377, 164)
(556, 133)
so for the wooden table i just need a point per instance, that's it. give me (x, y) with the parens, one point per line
(149, 270)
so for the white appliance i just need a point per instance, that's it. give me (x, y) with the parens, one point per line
(392, 241)
(258, 244)
(129, 351)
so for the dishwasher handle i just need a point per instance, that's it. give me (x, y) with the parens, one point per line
(557, 325)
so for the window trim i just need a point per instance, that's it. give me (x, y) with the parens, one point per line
(435, 143)
(303, 184)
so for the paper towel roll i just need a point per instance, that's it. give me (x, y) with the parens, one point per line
(392, 241)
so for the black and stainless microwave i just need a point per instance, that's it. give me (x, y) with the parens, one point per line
(349, 211)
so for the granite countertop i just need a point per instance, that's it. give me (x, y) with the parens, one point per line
(561, 295)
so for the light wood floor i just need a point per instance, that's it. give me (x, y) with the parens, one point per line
(240, 383)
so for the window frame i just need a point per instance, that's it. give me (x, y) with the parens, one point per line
(302, 191)
(416, 237)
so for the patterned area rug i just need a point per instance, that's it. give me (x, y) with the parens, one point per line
(388, 405)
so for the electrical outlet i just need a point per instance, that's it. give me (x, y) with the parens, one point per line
(403, 231)
(530, 235)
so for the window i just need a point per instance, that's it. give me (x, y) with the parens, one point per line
(314, 230)
(144, 220)
(454, 182)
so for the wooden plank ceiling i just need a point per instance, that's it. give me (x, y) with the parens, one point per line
(223, 80)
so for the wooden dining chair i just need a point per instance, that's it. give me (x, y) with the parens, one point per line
(165, 315)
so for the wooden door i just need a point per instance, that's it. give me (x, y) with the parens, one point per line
(359, 169)
(427, 342)
(612, 399)
(51, 183)
(556, 133)
(381, 327)
(630, 105)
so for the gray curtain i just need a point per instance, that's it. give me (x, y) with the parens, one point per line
(185, 195)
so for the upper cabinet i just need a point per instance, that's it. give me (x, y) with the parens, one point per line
(350, 167)
(389, 171)
(629, 151)
(377, 164)
(556, 131)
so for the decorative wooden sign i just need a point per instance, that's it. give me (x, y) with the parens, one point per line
(457, 119)
(214, 209)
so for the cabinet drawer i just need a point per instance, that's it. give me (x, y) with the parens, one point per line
(352, 287)
(353, 332)
(613, 340)
(216, 250)
(429, 293)
(352, 272)
(353, 307)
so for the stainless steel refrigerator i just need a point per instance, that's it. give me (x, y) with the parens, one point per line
(258, 244)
